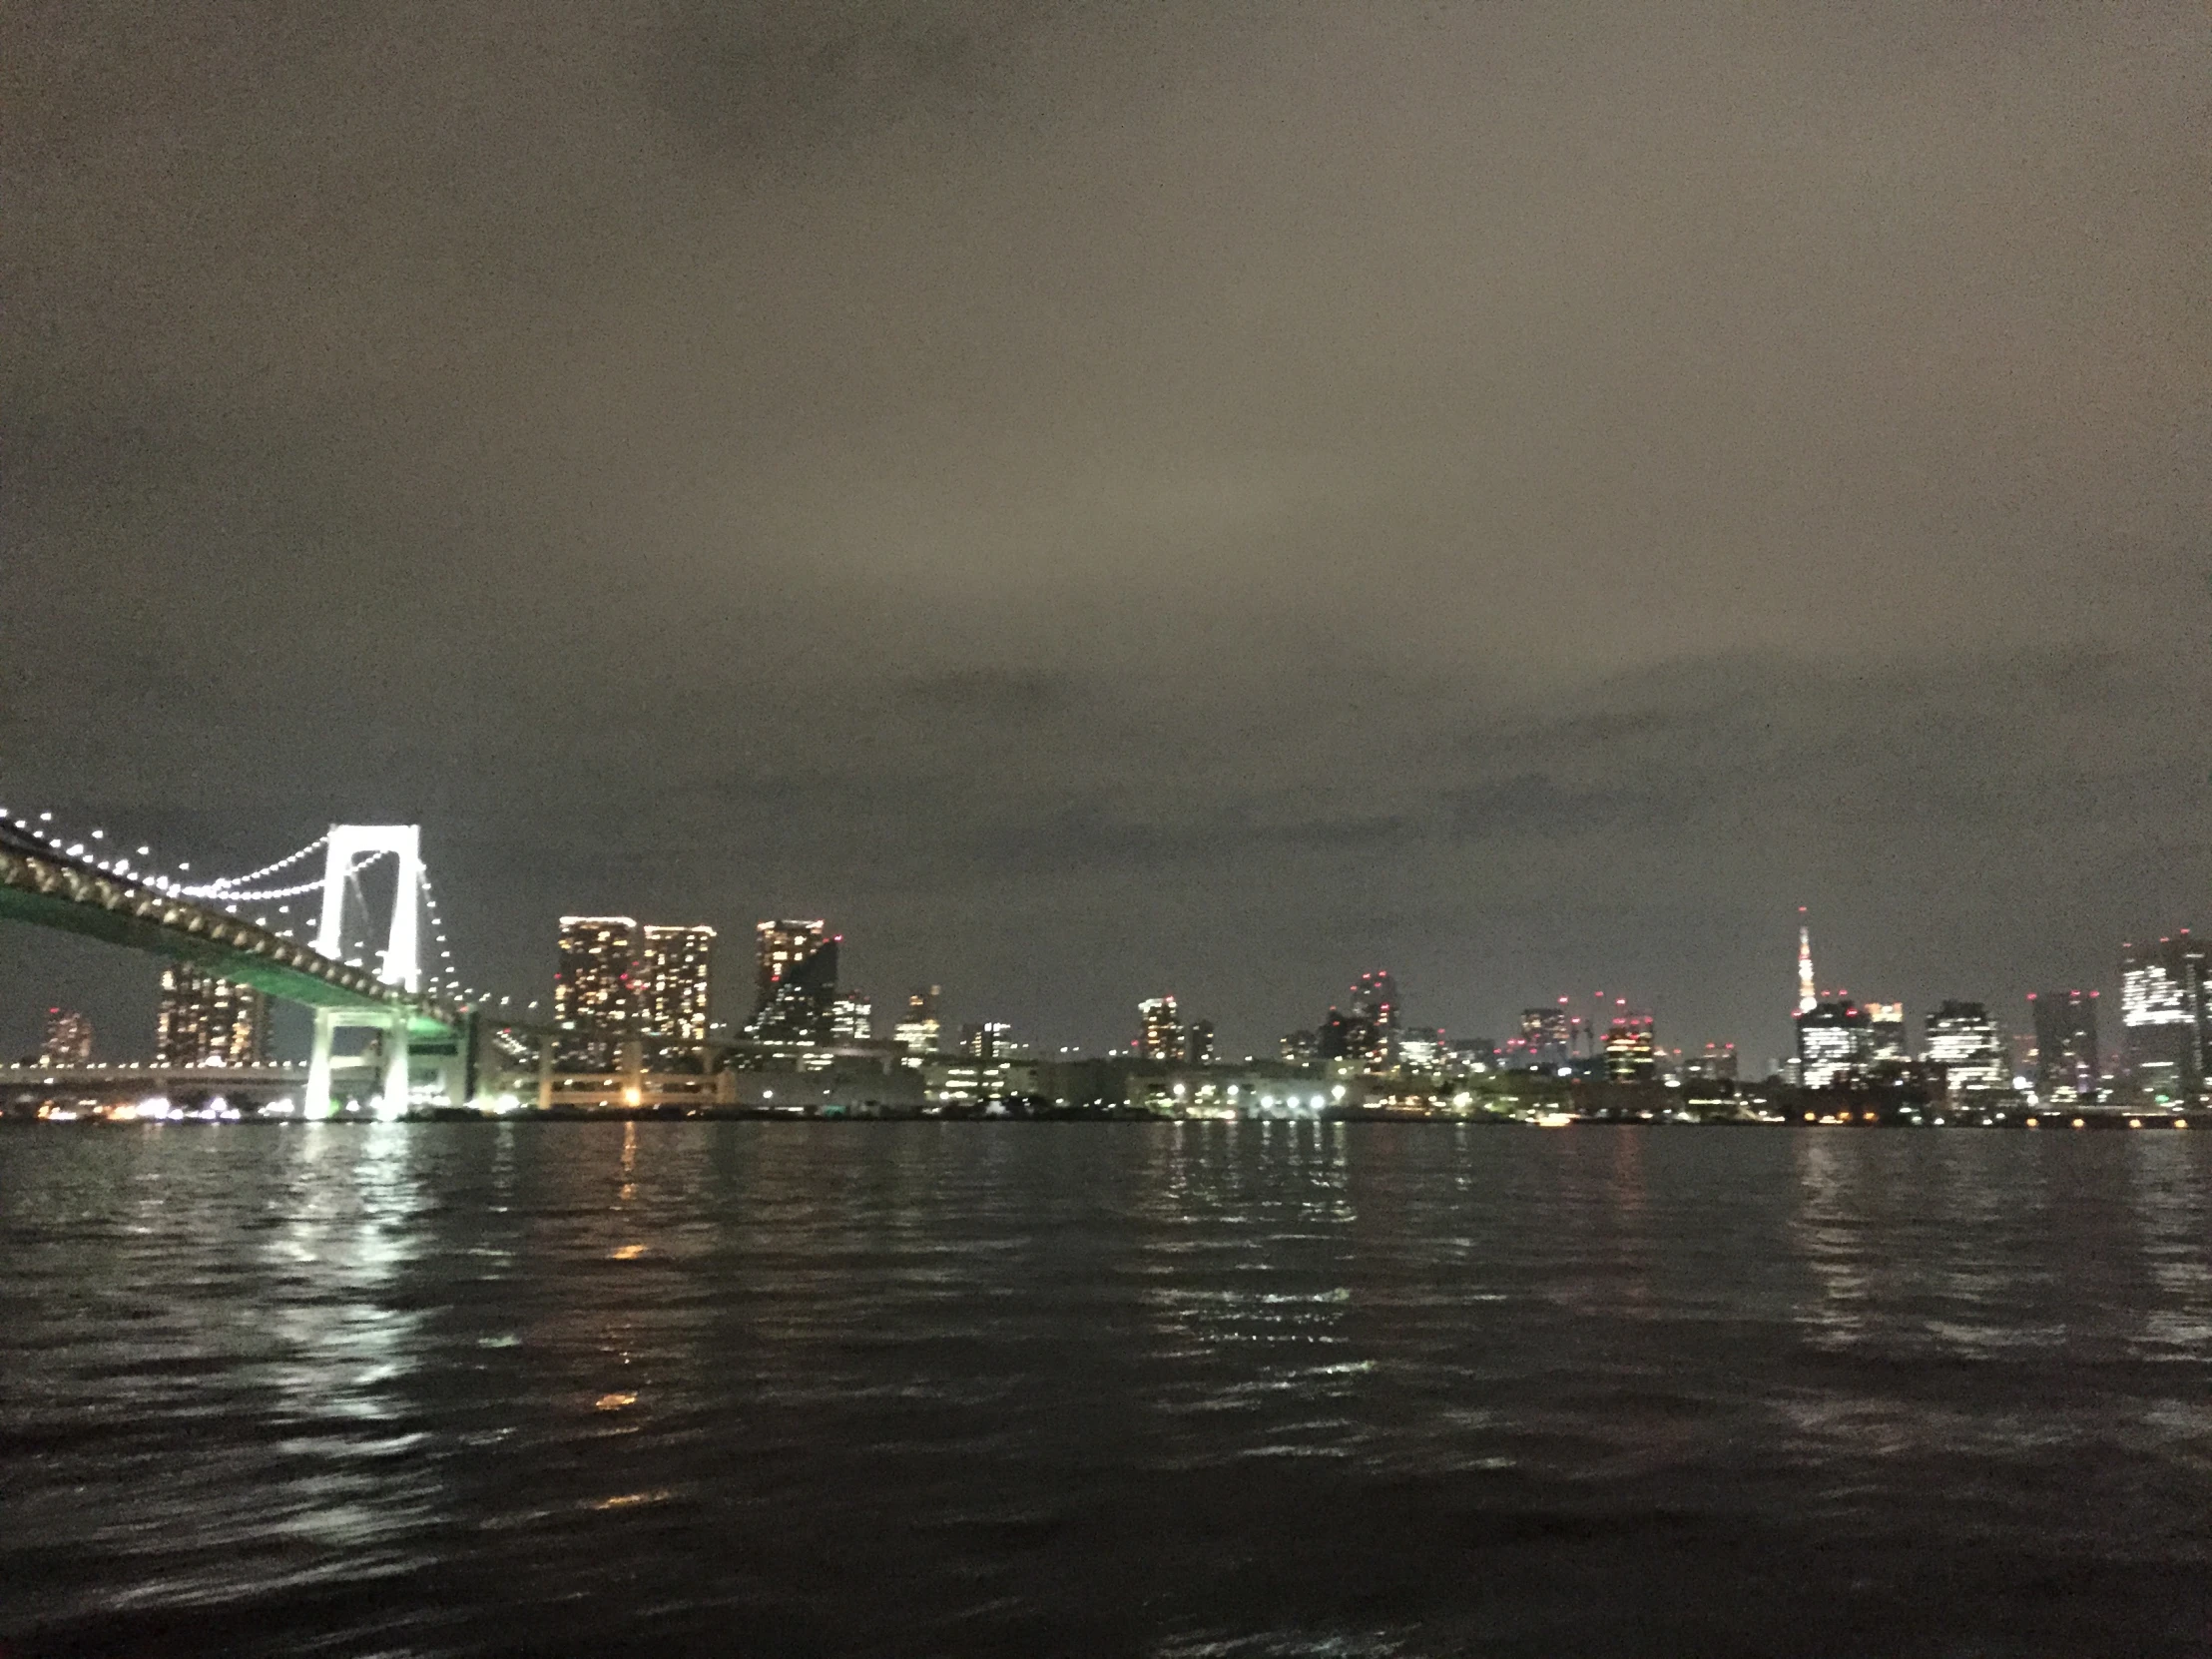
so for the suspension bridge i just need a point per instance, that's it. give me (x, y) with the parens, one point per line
(423, 1020)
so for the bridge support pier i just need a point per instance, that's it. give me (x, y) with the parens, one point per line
(395, 1086)
(318, 1104)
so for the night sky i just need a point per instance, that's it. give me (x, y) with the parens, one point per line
(1101, 499)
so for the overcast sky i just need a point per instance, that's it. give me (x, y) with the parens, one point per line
(1099, 499)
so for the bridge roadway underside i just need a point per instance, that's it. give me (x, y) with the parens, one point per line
(217, 956)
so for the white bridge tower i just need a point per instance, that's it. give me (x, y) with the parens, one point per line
(350, 846)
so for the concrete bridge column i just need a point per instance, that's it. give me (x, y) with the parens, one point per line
(396, 1065)
(318, 1102)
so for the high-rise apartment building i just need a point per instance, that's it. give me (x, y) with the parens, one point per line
(1963, 1040)
(1632, 1049)
(851, 1018)
(1547, 1036)
(1835, 1044)
(67, 1040)
(1374, 1000)
(1198, 1042)
(1160, 1036)
(920, 1031)
(795, 987)
(674, 979)
(2163, 1014)
(2065, 1045)
(596, 982)
(207, 1021)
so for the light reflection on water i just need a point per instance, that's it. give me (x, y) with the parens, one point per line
(1208, 1388)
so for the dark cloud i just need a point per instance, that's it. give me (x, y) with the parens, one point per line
(1099, 497)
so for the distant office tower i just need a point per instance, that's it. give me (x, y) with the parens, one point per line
(1547, 1036)
(2065, 1045)
(2163, 1014)
(1301, 1049)
(1424, 1048)
(1345, 1036)
(986, 1039)
(1807, 996)
(1472, 1056)
(919, 1031)
(1161, 1036)
(674, 976)
(1374, 1000)
(1198, 1042)
(797, 986)
(1963, 1040)
(1631, 1055)
(68, 1040)
(1886, 1032)
(596, 983)
(1835, 1044)
(1717, 1062)
(206, 1021)
(852, 1018)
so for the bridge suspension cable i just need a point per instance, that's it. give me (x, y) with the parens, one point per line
(232, 886)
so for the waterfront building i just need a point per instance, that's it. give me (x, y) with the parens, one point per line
(991, 1039)
(851, 1018)
(2065, 1045)
(596, 982)
(1716, 1063)
(1473, 1056)
(1424, 1048)
(1963, 1040)
(1300, 1048)
(1835, 1044)
(206, 1021)
(796, 985)
(1198, 1042)
(919, 1031)
(1160, 1036)
(1374, 1000)
(67, 1040)
(674, 980)
(1886, 1035)
(1347, 1036)
(1547, 1036)
(2163, 1014)
(1632, 1049)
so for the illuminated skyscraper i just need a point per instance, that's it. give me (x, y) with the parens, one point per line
(1886, 1033)
(1834, 1043)
(1161, 1035)
(1716, 1063)
(596, 984)
(68, 1040)
(1963, 1040)
(852, 1018)
(1374, 999)
(919, 1031)
(797, 984)
(206, 1021)
(988, 1039)
(2163, 1014)
(1198, 1042)
(2065, 1045)
(1631, 1055)
(1547, 1036)
(674, 979)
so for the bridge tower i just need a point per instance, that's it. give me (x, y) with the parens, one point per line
(402, 966)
